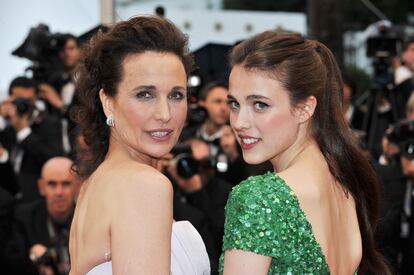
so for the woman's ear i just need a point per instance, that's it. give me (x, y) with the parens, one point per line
(107, 103)
(307, 109)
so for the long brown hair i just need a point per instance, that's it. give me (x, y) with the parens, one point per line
(101, 68)
(305, 68)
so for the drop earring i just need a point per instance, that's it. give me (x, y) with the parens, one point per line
(110, 121)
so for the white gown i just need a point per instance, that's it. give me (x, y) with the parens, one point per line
(188, 253)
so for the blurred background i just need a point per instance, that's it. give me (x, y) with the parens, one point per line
(344, 25)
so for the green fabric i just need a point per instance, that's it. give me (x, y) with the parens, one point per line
(263, 216)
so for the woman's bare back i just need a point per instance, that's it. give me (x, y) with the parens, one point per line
(101, 193)
(329, 209)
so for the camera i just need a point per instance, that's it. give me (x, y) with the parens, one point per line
(188, 166)
(42, 48)
(57, 254)
(382, 47)
(386, 43)
(196, 115)
(402, 134)
(50, 257)
(23, 106)
(56, 258)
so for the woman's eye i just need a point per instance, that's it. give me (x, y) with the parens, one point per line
(177, 95)
(234, 105)
(144, 95)
(260, 106)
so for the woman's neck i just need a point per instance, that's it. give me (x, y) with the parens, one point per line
(119, 151)
(294, 153)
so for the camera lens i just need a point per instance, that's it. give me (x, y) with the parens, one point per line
(186, 166)
(23, 106)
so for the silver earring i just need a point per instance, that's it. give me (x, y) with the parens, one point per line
(110, 121)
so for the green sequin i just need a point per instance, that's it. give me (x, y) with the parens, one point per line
(263, 216)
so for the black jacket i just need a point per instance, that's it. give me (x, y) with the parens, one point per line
(44, 142)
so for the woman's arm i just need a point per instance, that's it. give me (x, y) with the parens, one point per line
(245, 263)
(142, 223)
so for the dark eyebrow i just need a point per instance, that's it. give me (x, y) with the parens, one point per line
(153, 88)
(249, 97)
(256, 97)
(144, 87)
(178, 88)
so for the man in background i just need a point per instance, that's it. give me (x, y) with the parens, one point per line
(41, 235)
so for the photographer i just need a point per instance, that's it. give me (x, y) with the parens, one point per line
(54, 57)
(199, 196)
(404, 66)
(404, 73)
(61, 95)
(61, 92)
(28, 136)
(403, 134)
(41, 234)
(396, 170)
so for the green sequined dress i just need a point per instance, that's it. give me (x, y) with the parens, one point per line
(263, 216)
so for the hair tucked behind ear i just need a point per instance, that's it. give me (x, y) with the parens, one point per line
(101, 68)
(308, 68)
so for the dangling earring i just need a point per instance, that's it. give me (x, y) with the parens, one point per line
(110, 121)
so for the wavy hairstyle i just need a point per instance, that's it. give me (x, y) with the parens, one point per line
(101, 68)
(308, 68)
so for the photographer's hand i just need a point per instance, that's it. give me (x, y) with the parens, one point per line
(3, 154)
(6, 107)
(37, 251)
(17, 122)
(49, 93)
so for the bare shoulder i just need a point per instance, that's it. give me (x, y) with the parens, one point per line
(131, 178)
(140, 219)
(132, 187)
(303, 183)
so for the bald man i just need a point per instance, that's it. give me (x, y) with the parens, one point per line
(59, 186)
(44, 225)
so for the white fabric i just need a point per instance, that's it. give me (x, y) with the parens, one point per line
(5, 156)
(23, 134)
(3, 123)
(188, 253)
(401, 74)
(68, 91)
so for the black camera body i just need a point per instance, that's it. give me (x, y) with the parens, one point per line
(54, 259)
(188, 166)
(196, 115)
(42, 48)
(23, 106)
(387, 43)
(402, 134)
(50, 257)
(382, 47)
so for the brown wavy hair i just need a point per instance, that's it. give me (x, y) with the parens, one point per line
(101, 68)
(308, 68)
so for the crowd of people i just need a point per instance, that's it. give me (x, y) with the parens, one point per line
(113, 142)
